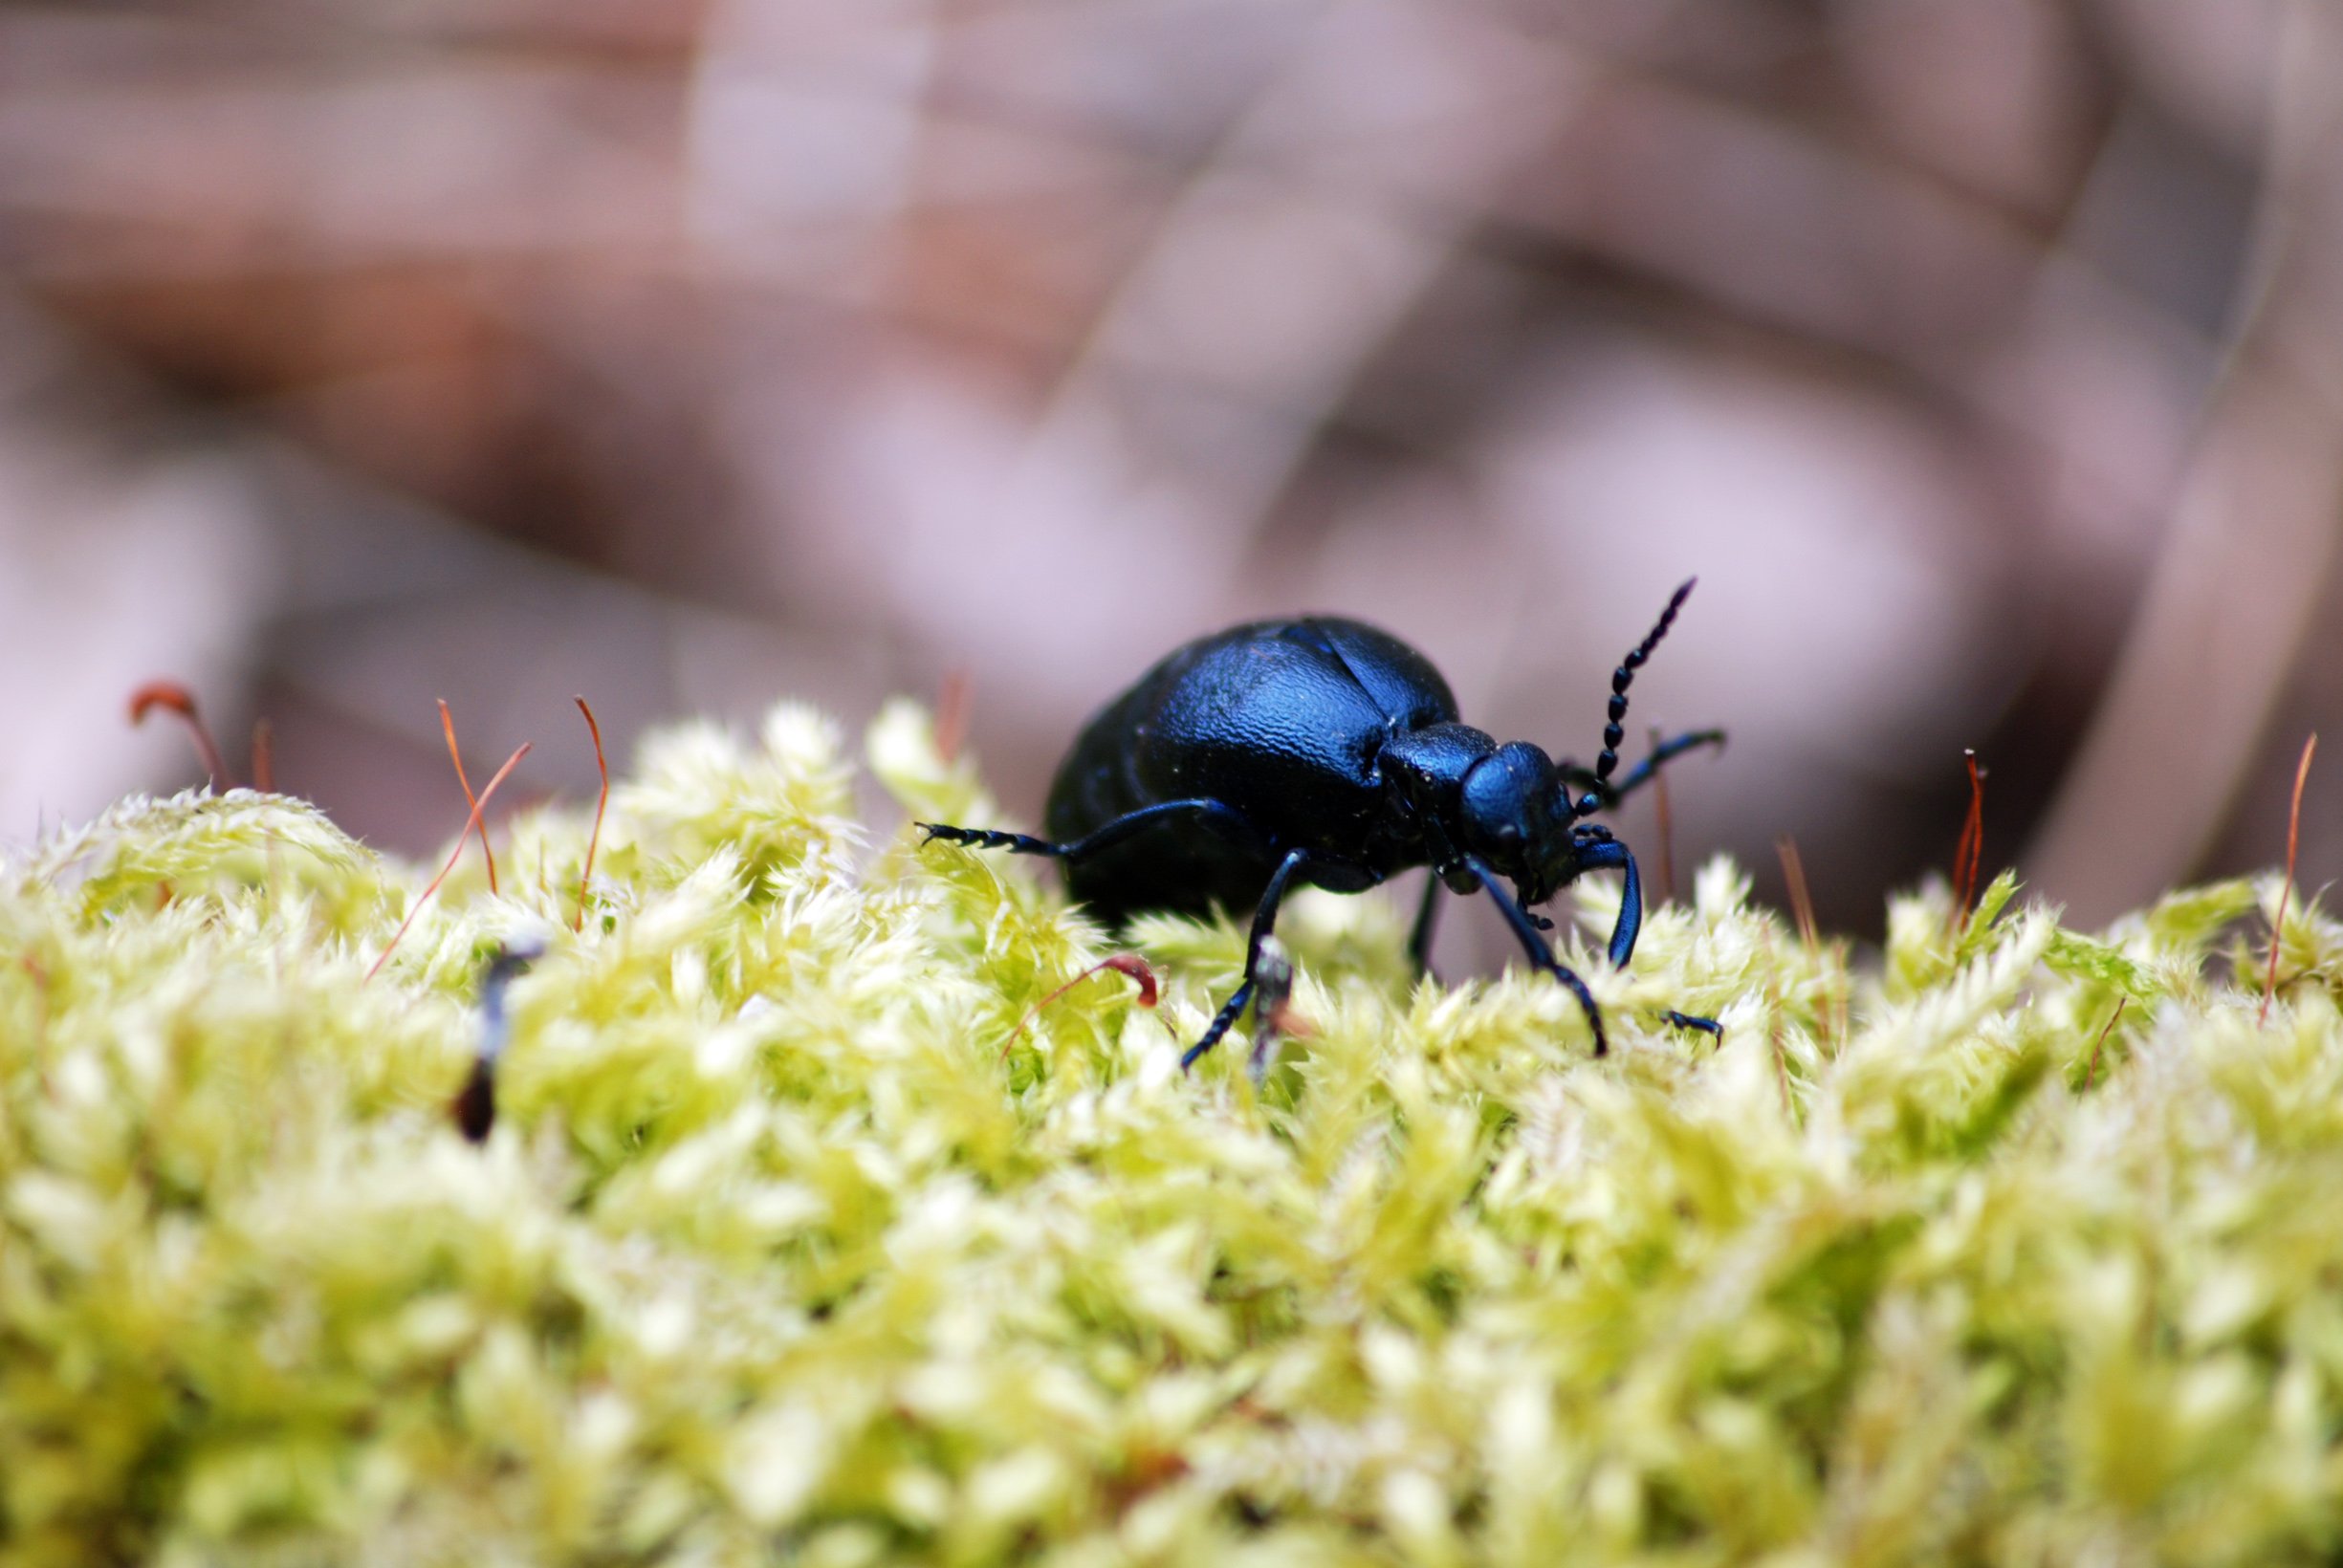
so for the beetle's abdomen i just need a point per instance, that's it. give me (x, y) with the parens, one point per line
(1274, 727)
(1281, 721)
(1181, 867)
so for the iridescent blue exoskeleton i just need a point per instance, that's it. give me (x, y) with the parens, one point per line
(1326, 752)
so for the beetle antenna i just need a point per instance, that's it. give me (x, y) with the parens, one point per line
(1614, 730)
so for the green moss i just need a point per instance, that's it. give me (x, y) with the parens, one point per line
(792, 1245)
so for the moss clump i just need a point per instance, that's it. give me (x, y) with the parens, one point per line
(791, 1247)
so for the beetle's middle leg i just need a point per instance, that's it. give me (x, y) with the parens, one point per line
(1264, 920)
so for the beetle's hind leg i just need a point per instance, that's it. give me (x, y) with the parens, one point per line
(1017, 843)
(1090, 844)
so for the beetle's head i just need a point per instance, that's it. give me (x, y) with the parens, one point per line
(1516, 816)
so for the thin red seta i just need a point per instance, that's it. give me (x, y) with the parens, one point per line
(1801, 902)
(1667, 826)
(1130, 965)
(264, 757)
(471, 824)
(952, 705)
(1970, 852)
(179, 700)
(2294, 842)
(2091, 1074)
(602, 803)
(447, 727)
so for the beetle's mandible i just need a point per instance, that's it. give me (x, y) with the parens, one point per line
(1326, 752)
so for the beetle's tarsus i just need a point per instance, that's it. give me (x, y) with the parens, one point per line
(1687, 1020)
(1222, 1022)
(1015, 843)
(1123, 828)
(1264, 922)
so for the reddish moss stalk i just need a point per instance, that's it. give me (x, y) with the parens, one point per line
(179, 700)
(447, 726)
(2294, 842)
(1130, 965)
(2091, 1074)
(1970, 852)
(1801, 902)
(264, 757)
(472, 823)
(602, 803)
(952, 705)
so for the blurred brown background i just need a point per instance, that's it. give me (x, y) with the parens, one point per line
(1981, 356)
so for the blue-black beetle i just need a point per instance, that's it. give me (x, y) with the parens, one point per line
(1324, 751)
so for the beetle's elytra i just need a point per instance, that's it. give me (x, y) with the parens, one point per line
(1326, 752)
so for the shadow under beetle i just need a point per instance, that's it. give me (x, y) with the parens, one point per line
(1326, 752)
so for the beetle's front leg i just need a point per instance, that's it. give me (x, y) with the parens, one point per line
(1533, 945)
(1597, 850)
